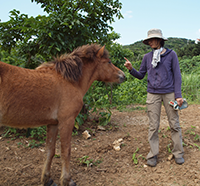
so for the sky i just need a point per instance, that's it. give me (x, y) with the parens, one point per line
(176, 18)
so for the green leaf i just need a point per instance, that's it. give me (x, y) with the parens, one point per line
(58, 49)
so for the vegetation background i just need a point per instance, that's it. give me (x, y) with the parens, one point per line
(29, 41)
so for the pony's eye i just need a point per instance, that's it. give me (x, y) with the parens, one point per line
(109, 62)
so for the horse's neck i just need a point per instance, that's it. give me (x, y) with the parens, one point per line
(88, 77)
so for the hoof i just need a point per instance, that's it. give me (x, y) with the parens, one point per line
(66, 182)
(72, 183)
(50, 183)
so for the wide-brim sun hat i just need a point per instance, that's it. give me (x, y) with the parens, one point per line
(154, 33)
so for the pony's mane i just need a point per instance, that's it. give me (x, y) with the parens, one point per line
(70, 65)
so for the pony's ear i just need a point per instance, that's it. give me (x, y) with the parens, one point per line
(100, 52)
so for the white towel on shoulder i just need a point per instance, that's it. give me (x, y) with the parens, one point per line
(156, 57)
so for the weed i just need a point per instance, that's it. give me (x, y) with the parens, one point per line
(86, 161)
(9, 130)
(168, 128)
(134, 158)
(105, 117)
(20, 144)
(168, 148)
(184, 144)
(191, 131)
(33, 143)
(197, 137)
(57, 155)
(74, 133)
(98, 162)
(197, 146)
(38, 133)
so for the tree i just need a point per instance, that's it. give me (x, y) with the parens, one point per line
(69, 24)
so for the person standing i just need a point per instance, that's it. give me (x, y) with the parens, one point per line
(163, 85)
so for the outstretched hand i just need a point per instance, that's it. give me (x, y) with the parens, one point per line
(128, 64)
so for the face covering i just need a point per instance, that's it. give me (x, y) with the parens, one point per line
(156, 57)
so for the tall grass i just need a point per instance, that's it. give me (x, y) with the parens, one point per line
(191, 87)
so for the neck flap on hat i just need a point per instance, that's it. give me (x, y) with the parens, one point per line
(156, 57)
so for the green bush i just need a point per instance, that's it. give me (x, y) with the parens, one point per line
(190, 65)
(191, 87)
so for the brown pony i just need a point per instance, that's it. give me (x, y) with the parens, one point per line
(52, 95)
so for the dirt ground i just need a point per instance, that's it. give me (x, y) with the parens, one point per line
(106, 166)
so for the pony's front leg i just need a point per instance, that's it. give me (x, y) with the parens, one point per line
(65, 130)
(52, 132)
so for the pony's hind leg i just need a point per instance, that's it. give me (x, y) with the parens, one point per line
(52, 132)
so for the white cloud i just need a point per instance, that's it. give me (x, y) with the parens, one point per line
(128, 14)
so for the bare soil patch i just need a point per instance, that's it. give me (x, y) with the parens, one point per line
(107, 167)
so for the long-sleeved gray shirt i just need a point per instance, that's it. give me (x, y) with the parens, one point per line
(165, 78)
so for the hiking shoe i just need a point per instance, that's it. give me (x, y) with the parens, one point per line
(152, 161)
(179, 161)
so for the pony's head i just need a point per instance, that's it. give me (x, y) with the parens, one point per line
(107, 72)
(70, 66)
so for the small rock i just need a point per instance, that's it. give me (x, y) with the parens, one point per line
(170, 157)
(86, 134)
(120, 140)
(117, 144)
(145, 166)
(117, 147)
(42, 150)
(101, 128)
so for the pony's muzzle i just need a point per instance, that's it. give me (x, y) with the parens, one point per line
(122, 76)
